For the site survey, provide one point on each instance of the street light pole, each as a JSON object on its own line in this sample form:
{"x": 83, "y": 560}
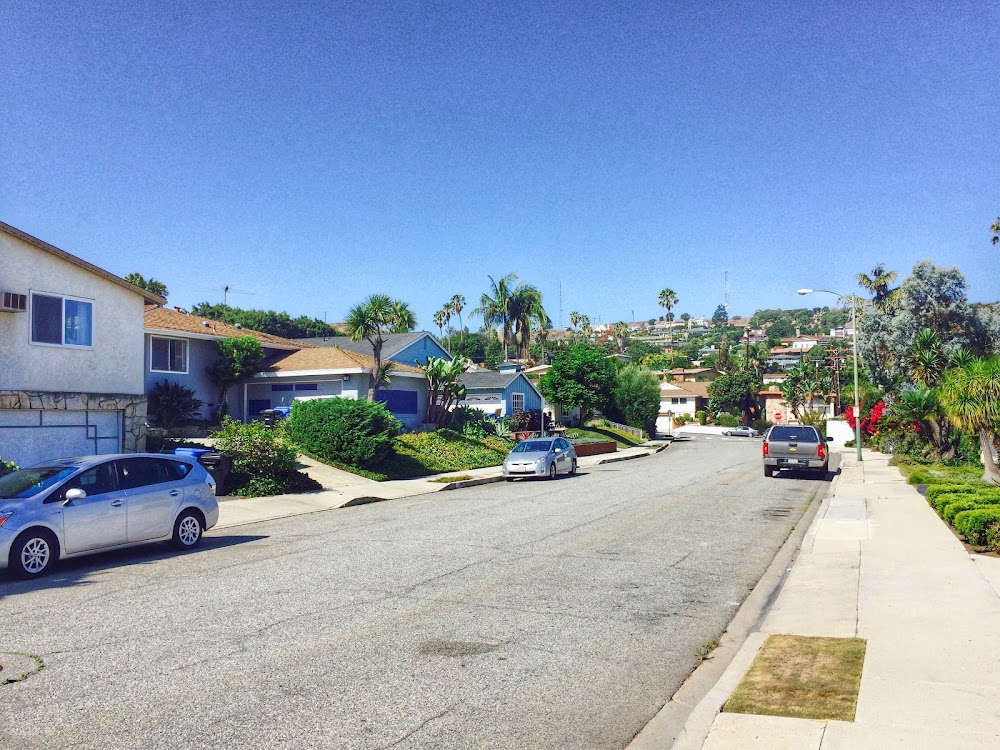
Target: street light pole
{"x": 857, "y": 393}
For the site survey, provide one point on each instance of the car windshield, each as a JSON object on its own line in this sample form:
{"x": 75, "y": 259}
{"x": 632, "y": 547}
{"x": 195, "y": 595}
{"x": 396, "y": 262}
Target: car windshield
{"x": 29, "y": 482}
{"x": 793, "y": 434}
{"x": 533, "y": 446}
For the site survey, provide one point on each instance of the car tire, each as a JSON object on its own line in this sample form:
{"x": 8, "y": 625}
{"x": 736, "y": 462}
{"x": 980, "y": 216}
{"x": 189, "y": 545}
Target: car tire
{"x": 728, "y": 434}
{"x": 768, "y": 471}
{"x": 510, "y": 479}
{"x": 553, "y": 472}
{"x": 188, "y": 530}
{"x": 33, "y": 553}
{"x": 572, "y": 468}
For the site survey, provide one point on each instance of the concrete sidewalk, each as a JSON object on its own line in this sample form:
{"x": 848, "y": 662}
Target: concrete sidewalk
{"x": 341, "y": 488}
{"x": 877, "y": 563}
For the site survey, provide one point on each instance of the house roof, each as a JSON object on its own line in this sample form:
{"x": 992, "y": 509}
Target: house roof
{"x": 692, "y": 370}
{"x": 80, "y": 263}
{"x": 392, "y": 342}
{"x": 493, "y": 381}
{"x": 693, "y": 388}
{"x": 329, "y": 358}
{"x": 166, "y": 319}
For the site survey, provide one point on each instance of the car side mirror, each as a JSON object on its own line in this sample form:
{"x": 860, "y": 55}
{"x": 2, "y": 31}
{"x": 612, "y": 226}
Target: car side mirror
{"x": 74, "y": 494}
{"x": 829, "y": 439}
{"x": 558, "y": 450}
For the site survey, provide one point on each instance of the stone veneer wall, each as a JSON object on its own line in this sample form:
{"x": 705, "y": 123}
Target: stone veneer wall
{"x": 132, "y": 406}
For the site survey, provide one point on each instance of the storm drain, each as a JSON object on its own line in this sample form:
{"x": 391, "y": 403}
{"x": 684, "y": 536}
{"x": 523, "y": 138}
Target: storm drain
{"x": 776, "y": 512}
{"x": 15, "y": 667}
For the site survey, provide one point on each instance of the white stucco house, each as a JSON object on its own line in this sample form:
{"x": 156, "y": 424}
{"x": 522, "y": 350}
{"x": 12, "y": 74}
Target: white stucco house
{"x": 71, "y": 338}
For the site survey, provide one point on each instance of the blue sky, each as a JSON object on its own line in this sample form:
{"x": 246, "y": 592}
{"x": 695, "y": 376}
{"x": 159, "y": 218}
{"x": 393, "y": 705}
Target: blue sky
{"x": 311, "y": 154}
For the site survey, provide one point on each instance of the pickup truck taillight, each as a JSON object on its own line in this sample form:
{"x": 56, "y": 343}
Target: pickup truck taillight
{"x": 821, "y": 451}
{"x": 765, "y": 447}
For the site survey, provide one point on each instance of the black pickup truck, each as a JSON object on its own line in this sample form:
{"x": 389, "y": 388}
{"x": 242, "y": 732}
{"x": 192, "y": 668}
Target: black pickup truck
{"x": 799, "y": 447}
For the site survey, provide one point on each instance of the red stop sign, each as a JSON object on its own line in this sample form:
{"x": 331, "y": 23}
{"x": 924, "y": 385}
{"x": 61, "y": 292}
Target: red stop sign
{"x": 777, "y": 417}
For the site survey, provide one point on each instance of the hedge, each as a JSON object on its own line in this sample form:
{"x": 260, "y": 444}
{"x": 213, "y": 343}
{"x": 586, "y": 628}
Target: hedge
{"x": 343, "y": 430}
{"x": 934, "y": 491}
{"x": 973, "y": 524}
{"x": 952, "y": 509}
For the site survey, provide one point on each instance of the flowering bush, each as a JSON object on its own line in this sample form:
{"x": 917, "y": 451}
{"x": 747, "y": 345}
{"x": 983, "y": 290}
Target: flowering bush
{"x": 869, "y": 423}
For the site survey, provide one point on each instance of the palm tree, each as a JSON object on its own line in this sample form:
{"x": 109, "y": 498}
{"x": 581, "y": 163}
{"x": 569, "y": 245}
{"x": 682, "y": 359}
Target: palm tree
{"x": 575, "y": 318}
{"x": 150, "y": 285}
{"x": 970, "y": 396}
{"x": 995, "y": 228}
{"x": 371, "y": 321}
{"x": 620, "y": 332}
{"x": 667, "y": 300}
{"x": 441, "y": 318}
{"x": 927, "y": 360}
{"x": 456, "y": 305}
{"x": 884, "y": 297}
{"x": 494, "y": 307}
{"x": 526, "y": 313}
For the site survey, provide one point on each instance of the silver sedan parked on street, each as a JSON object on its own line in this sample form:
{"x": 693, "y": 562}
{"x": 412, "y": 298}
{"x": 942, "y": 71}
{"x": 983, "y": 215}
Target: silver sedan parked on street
{"x": 741, "y": 431}
{"x": 540, "y": 457}
{"x": 75, "y": 506}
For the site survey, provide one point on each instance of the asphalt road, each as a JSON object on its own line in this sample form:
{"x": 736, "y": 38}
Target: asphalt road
{"x": 529, "y": 615}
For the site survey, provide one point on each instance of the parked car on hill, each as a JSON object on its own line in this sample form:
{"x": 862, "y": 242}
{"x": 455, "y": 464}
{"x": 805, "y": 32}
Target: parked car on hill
{"x": 540, "y": 457}
{"x": 741, "y": 431}
{"x": 76, "y": 506}
{"x": 795, "y": 447}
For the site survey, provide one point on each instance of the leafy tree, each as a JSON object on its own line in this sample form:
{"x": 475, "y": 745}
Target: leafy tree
{"x": 584, "y": 377}
{"x": 472, "y": 347}
{"x": 685, "y": 317}
{"x": 720, "y": 317}
{"x": 638, "y": 349}
{"x": 802, "y": 384}
{"x": 151, "y": 285}
{"x": 239, "y": 358}
{"x": 444, "y": 390}
{"x": 371, "y": 321}
{"x": 266, "y": 321}
{"x": 737, "y": 390}
{"x": 357, "y": 433}
{"x": 970, "y": 396}
{"x": 636, "y": 397}
{"x": 879, "y": 285}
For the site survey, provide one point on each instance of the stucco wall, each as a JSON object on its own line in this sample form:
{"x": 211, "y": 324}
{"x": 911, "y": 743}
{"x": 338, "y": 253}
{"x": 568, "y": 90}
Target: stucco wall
{"x": 114, "y": 363}
{"x": 201, "y": 353}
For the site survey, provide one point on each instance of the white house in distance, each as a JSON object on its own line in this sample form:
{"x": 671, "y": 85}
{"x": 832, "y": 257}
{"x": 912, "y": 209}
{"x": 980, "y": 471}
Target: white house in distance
{"x": 71, "y": 374}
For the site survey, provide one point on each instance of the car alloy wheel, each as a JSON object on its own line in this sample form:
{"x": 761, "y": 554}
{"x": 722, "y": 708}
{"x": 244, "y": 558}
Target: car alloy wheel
{"x": 552, "y": 470}
{"x": 187, "y": 530}
{"x": 32, "y": 554}
{"x": 572, "y": 467}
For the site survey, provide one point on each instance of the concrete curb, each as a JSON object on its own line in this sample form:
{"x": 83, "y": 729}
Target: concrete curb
{"x": 471, "y": 483}
{"x": 686, "y": 719}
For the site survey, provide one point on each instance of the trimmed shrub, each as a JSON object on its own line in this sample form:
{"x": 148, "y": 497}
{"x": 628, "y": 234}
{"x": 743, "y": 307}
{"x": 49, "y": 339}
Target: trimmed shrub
{"x": 701, "y": 416}
{"x": 993, "y": 537}
{"x": 727, "y": 420}
{"x": 256, "y": 450}
{"x": 342, "y": 430}
{"x": 934, "y": 492}
{"x": 972, "y": 524}
{"x": 952, "y": 509}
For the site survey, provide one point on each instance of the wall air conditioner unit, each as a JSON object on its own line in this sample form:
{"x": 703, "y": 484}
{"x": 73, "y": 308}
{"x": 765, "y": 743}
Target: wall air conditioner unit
{"x": 12, "y": 302}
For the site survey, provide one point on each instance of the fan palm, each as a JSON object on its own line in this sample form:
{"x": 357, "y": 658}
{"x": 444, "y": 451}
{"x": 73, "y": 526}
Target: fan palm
{"x": 455, "y": 305}
{"x": 667, "y": 300}
{"x": 884, "y": 297}
{"x": 494, "y": 307}
{"x": 527, "y": 313}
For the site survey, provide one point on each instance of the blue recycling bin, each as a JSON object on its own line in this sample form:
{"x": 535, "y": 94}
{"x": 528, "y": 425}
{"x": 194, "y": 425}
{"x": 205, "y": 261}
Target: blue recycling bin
{"x": 194, "y": 453}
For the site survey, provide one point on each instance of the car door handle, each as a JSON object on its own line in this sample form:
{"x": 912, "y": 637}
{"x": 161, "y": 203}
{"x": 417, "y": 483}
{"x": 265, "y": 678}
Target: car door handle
{"x": 174, "y": 493}
{"x": 117, "y": 503}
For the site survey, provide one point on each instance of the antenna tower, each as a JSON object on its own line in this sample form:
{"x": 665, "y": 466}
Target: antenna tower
{"x": 726, "y": 304}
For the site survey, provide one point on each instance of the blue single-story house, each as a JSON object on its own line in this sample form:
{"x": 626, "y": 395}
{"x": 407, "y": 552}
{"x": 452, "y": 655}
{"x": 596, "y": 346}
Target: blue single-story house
{"x": 501, "y": 393}
{"x": 402, "y": 348}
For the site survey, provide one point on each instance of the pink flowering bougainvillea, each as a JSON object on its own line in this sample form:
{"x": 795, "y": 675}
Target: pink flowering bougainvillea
{"x": 869, "y": 424}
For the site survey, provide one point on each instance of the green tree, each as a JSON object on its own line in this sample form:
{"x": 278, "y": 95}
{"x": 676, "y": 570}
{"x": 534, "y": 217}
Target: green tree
{"x": 495, "y": 307}
{"x": 370, "y": 321}
{"x": 441, "y": 320}
{"x": 151, "y": 285}
{"x": 444, "y": 389}
{"x": 995, "y": 228}
{"x": 266, "y": 321}
{"x": 527, "y": 315}
{"x": 456, "y": 305}
{"x": 668, "y": 300}
{"x": 584, "y": 377}
{"x": 879, "y": 285}
{"x": 970, "y": 396}
{"x": 636, "y": 397}
{"x": 239, "y": 358}
{"x": 737, "y": 390}
{"x": 620, "y": 331}
{"x": 720, "y": 317}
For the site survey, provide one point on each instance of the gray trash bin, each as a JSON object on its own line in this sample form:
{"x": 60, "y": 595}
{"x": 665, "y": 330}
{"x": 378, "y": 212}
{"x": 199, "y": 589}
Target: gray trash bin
{"x": 269, "y": 417}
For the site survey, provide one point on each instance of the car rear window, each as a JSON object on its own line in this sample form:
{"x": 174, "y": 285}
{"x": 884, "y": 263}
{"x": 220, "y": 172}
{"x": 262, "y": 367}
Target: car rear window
{"x": 790, "y": 434}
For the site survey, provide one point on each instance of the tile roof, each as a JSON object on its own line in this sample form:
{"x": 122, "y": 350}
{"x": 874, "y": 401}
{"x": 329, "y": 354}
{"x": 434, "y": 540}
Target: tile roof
{"x": 79, "y": 262}
{"x": 392, "y": 342}
{"x": 328, "y": 358}
{"x": 166, "y": 319}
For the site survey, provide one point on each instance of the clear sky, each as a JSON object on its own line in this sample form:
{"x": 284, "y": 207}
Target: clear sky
{"x": 311, "y": 154}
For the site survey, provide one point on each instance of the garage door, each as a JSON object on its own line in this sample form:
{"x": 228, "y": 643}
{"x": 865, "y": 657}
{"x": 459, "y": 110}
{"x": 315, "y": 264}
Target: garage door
{"x": 30, "y": 436}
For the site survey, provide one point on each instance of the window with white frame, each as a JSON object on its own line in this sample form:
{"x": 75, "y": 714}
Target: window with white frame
{"x": 168, "y": 355}
{"x": 61, "y": 321}
{"x": 517, "y": 401}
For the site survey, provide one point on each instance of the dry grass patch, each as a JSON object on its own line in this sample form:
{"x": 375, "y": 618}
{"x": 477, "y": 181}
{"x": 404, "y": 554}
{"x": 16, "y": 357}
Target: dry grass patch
{"x": 802, "y": 677}
{"x": 449, "y": 480}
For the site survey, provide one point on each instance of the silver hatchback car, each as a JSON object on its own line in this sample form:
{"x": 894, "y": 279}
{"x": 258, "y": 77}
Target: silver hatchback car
{"x": 540, "y": 457}
{"x": 75, "y": 506}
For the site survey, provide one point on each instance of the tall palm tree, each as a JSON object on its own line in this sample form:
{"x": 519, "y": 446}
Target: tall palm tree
{"x": 441, "y": 318}
{"x": 620, "y": 332}
{"x": 884, "y": 297}
{"x": 456, "y": 305}
{"x": 668, "y": 300}
{"x": 370, "y": 321}
{"x": 575, "y": 318}
{"x": 526, "y": 313}
{"x": 970, "y": 396}
{"x": 494, "y": 307}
